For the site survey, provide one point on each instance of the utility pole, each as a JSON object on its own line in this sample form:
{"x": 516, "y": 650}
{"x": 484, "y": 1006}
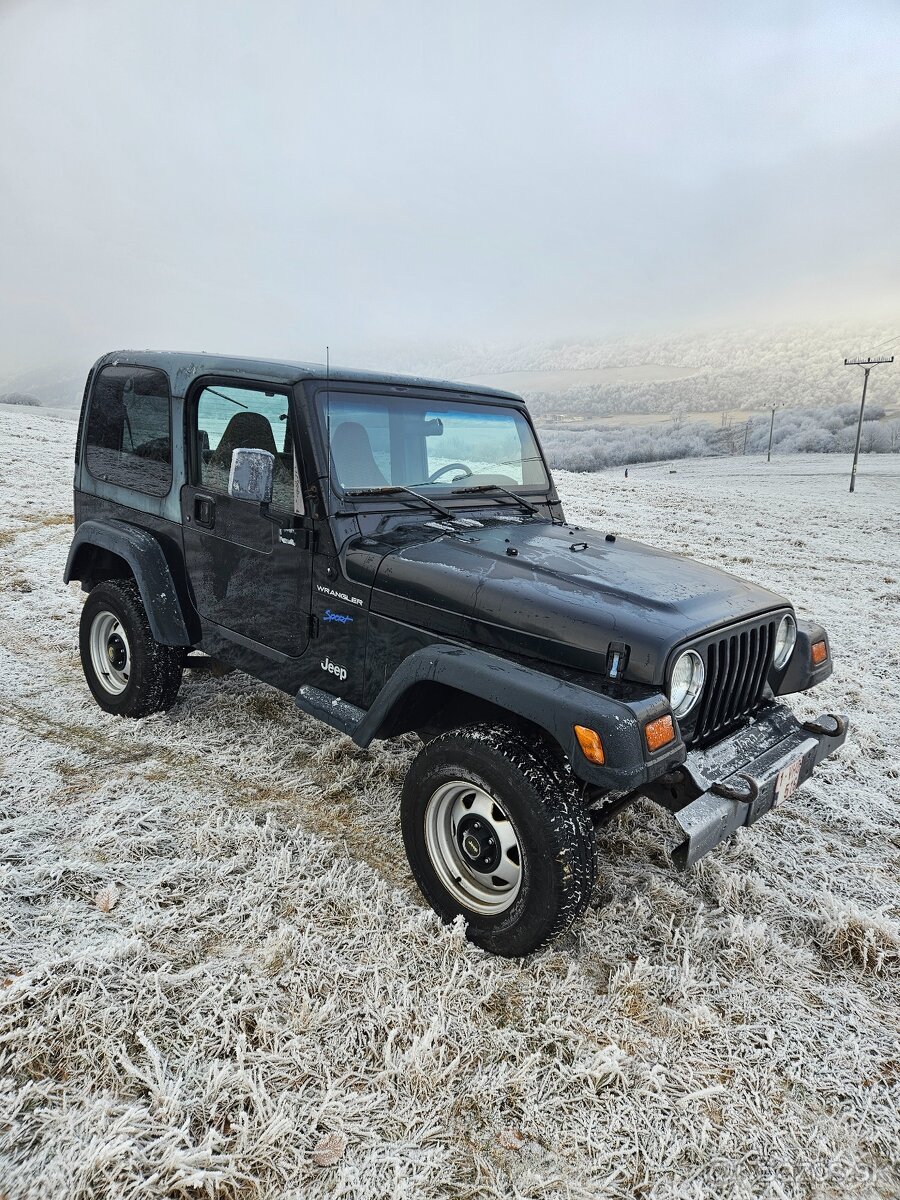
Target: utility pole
{"x": 746, "y": 433}
{"x": 771, "y": 431}
{"x": 867, "y": 364}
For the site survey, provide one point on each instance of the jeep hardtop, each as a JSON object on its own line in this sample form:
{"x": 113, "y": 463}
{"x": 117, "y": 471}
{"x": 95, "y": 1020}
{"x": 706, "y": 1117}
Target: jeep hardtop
{"x": 391, "y": 551}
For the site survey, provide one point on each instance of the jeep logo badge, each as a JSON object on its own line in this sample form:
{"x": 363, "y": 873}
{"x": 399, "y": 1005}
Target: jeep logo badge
{"x": 334, "y": 669}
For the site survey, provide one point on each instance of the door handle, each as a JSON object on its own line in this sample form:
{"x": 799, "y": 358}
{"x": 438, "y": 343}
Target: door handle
{"x": 204, "y": 511}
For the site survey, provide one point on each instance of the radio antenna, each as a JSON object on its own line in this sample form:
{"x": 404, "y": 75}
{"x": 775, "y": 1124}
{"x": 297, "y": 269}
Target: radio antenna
{"x": 328, "y": 422}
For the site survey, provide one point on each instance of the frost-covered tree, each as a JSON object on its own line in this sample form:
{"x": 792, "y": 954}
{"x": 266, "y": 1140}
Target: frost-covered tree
{"x": 796, "y": 431}
{"x": 19, "y": 398}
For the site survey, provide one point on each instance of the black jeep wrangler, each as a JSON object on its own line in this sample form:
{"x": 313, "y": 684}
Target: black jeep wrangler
{"x": 392, "y": 552}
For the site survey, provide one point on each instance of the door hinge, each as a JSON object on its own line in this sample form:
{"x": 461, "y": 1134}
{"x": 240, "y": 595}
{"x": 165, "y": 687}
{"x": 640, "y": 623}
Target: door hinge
{"x": 297, "y": 535}
{"x": 313, "y": 625}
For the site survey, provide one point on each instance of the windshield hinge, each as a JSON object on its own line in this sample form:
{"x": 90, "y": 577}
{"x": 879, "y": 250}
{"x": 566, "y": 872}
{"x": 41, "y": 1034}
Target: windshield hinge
{"x": 304, "y": 539}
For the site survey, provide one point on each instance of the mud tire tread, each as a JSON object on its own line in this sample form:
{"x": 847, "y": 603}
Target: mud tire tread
{"x": 552, "y": 794}
{"x": 156, "y": 669}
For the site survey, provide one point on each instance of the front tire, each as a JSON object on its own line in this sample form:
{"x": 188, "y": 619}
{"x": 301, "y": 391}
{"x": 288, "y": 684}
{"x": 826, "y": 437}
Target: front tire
{"x": 129, "y": 673}
{"x": 496, "y": 832}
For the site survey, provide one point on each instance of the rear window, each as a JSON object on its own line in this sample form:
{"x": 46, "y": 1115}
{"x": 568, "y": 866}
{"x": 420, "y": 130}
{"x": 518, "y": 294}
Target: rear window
{"x": 129, "y": 435}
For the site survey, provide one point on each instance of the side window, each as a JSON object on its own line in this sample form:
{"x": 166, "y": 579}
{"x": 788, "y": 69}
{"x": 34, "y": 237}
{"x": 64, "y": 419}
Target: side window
{"x": 227, "y": 418}
{"x": 129, "y": 436}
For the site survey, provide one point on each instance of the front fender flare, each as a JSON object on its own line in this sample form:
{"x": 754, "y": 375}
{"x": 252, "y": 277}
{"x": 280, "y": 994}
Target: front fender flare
{"x": 144, "y": 555}
{"x": 555, "y": 705}
{"x": 800, "y": 674}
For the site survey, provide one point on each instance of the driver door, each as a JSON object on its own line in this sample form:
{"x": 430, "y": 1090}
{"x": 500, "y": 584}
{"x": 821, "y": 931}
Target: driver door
{"x": 245, "y": 577}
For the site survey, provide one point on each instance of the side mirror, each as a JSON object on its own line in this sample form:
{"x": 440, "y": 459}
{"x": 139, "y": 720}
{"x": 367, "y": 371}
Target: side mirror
{"x": 252, "y": 473}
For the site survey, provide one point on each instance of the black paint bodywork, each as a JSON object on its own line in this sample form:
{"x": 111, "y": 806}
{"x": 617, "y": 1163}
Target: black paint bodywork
{"x": 380, "y": 616}
{"x": 562, "y": 596}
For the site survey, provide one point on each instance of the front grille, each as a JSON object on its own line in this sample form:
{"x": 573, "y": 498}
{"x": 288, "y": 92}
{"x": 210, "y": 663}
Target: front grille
{"x": 736, "y": 668}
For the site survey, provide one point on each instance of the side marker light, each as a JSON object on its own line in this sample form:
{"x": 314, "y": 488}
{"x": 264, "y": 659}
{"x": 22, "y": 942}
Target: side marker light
{"x": 659, "y": 732}
{"x": 591, "y": 745}
{"x": 819, "y": 653}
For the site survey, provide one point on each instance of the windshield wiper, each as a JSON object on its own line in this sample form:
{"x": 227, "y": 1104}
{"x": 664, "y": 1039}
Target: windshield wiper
{"x": 496, "y": 487}
{"x": 392, "y": 491}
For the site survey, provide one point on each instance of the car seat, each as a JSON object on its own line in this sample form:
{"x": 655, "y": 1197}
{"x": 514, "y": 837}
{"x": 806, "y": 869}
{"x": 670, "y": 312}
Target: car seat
{"x": 353, "y": 459}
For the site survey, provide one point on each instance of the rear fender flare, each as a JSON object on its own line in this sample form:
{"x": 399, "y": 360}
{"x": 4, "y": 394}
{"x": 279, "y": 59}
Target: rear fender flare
{"x": 553, "y": 704}
{"x": 144, "y": 556}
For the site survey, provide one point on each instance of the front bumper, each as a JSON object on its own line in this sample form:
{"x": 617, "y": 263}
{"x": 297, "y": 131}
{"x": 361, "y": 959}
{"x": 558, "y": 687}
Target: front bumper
{"x": 736, "y": 781}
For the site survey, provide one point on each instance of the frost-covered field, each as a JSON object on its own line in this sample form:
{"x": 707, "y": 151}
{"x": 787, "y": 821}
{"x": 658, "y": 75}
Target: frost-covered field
{"x": 269, "y": 975}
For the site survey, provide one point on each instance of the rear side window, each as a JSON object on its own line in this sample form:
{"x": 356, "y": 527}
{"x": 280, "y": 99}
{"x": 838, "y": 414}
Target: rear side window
{"x": 129, "y": 435}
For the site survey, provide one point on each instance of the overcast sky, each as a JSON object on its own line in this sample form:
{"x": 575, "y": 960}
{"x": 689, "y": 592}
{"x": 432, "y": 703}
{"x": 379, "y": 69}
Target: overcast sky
{"x": 265, "y": 177}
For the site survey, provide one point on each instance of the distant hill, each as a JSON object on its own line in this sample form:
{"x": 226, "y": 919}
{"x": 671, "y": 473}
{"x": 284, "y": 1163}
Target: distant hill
{"x": 711, "y": 371}
{"x": 703, "y": 371}
{"x": 56, "y": 386}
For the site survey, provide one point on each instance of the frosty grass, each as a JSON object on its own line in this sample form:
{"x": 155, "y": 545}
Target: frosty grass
{"x": 217, "y": 978}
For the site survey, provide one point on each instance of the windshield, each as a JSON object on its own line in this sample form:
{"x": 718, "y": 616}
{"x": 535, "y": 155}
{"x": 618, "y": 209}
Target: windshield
{"x": 404, "y": 441}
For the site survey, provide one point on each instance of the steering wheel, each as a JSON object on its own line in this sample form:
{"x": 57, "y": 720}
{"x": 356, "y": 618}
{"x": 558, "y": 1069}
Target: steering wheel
{"x": 435, "y": 475}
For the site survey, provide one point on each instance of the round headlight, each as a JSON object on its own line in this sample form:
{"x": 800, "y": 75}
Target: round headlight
{"x": 785, "y": 638}
{"x": 687, "y": 682}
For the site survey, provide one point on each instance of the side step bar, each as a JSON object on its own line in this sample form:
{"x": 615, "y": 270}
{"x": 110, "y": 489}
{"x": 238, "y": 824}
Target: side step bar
{"x": 334, "y": 711}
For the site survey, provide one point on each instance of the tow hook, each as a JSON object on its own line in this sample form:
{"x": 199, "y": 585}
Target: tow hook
{"x": 744, "y": 795}
{"x": 820, "y": 728}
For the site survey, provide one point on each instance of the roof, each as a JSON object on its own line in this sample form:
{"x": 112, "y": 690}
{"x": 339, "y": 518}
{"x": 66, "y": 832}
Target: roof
{"x": 182, "y": 367}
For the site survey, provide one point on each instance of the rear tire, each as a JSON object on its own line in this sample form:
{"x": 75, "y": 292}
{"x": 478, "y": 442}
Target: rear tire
{"x": 495, "y": 831}
{"x": 129, "y": 673}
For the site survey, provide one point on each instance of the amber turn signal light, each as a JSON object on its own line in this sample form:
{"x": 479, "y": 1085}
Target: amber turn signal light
{"x": 819, "y": 652}
{"x": 659, "y": 732}
{"x": 592, "y": 747}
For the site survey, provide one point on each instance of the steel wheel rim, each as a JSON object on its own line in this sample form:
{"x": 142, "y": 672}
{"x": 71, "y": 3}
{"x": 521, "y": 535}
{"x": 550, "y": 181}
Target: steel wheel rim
{"x": 461, "y": 818}
{"x": 110, "y": 652}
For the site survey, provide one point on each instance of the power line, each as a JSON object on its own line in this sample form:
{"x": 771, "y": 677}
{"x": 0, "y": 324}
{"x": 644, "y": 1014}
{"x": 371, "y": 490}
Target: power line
{"x": 889, "y": 342}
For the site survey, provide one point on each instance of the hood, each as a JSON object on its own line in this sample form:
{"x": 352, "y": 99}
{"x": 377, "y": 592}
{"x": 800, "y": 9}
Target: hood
{"x": 556, "y": 592}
